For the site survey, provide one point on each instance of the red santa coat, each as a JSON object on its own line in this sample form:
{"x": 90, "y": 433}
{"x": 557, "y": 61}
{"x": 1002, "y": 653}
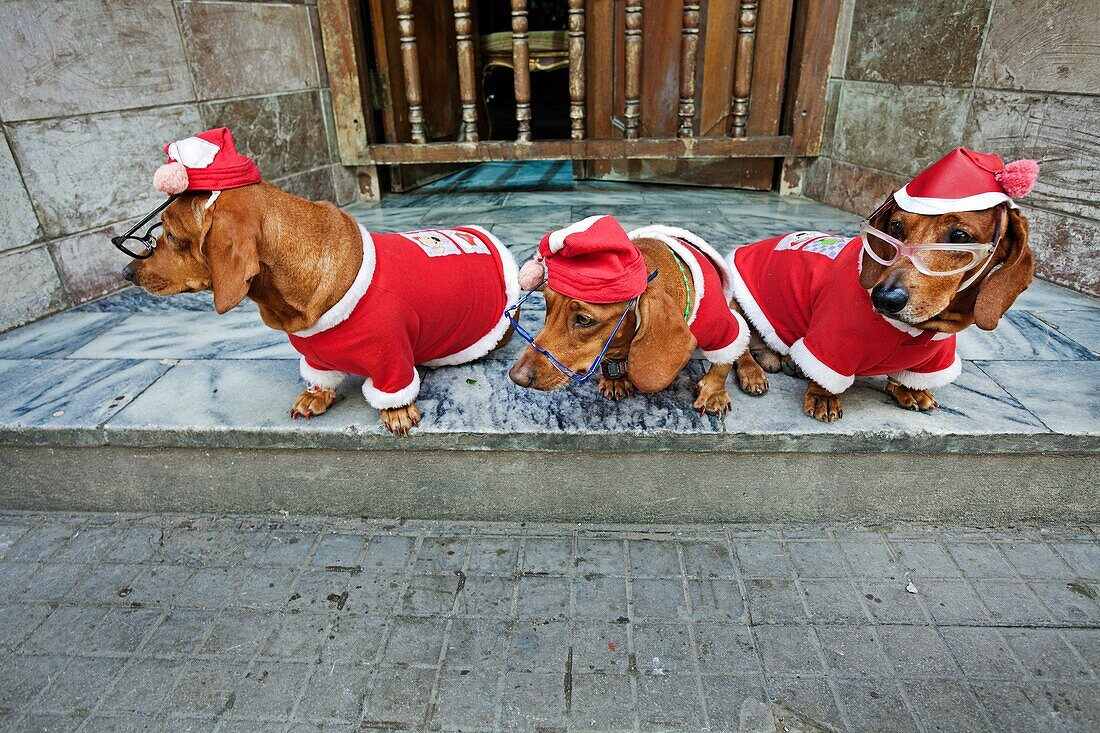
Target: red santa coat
{"x": 433, "y": 297}
{"x": 802, "y": 293}
{"x": 722, "y": 334}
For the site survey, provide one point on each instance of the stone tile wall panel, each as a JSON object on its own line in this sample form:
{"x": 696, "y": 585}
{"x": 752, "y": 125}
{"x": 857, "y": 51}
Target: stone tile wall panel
{"x": 31, "y": 288}
{"x": 88, "y": 171}
{"x": 1043, "y": 45}
{"x": 18, "y": 223}
{"x": 239, "y": 49}
{"x": 1062, "y": 132}
{"x": 90, "y": 265}
{"x": 83, "y": 56}
{"x": 898, "y": 128}
{"x": 283, "y": 133}
{"x": 916, "y": 41}
{"x": 1065, "y": 249}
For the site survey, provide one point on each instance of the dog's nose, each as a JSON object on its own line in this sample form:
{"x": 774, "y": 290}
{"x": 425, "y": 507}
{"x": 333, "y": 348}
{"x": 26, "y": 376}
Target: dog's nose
{"x": 522, "y": 374}
{"x": 128, "y": 272}
{"x": 889, "y": 298}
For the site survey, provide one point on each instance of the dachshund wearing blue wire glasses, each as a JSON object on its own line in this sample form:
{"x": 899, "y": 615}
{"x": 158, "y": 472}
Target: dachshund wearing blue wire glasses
{"x": 631, "y": 308}
{"x": 931, "y": 261}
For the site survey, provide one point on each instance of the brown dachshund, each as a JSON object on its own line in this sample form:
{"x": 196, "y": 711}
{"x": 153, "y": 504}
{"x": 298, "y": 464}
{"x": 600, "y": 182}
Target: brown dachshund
{"x": 303, "y": 261}
{"x": 909, "y": 298}
{"x": 657, "y": 337}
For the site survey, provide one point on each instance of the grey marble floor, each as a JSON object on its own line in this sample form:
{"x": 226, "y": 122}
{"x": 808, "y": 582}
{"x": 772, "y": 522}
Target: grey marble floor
{"x": 133, "y": 368}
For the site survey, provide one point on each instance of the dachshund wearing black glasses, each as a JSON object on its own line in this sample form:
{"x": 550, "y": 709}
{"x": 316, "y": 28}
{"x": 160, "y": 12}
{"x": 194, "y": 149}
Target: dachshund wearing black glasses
{"x": 921, "y": 307}
{"x": 352, "y": 302}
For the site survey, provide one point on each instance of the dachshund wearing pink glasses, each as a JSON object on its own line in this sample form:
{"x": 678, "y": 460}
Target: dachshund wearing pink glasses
{"x": 890, "y": 301}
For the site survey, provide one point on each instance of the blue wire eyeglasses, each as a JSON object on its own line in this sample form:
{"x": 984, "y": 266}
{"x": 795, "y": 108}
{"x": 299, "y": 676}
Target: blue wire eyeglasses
{"x": 595, "y": 368}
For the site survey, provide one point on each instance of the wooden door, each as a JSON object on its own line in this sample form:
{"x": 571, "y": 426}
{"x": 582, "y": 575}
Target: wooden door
{"x": 432, "y": 24}
{"x": 740, "y": 75}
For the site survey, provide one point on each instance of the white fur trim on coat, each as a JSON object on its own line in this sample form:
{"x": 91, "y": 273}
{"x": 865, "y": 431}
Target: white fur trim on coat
{"x": 322, "y": 378}
{"x": 339, "y": 313}
{"x": 930, "y": 206}
{"x": 818, "y": 370}
{"x": 730, "y": 354}
{"x": 929, "y": 380}
{"x": 759, "y": 321}
{"x": 662, "y": 232}
{"x": 380, "y": 400}
{"x": 557, "y": 239}
{"x": 488, "y": 342}
{"x": 681, "y": 251}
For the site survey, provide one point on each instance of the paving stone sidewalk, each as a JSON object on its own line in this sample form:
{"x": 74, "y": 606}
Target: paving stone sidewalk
{"x": 166, "y": 622}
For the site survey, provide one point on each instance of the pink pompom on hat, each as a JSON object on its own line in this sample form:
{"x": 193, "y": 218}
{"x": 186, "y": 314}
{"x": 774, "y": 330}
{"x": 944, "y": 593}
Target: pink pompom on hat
{"x": 592, "y": 260}
{"x": 966, "y": 180}
{"x": 208, "y": 161}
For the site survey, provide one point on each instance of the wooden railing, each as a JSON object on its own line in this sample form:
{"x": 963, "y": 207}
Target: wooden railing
{"x": 803, "y": 117}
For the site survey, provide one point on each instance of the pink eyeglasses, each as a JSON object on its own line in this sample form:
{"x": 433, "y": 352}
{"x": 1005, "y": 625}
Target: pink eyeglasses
{"x": 895, "y": 249}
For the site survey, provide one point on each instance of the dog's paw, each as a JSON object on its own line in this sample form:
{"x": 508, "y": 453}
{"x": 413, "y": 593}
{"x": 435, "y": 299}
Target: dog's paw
{"x": 920, "y": 400}
{"x": 616, "y": 389}
{"x": 312, "y": 402}
{"x": 715, "y": 400}
{"x": 768, "y": 360}
{"x": 791, "y": 369}
{"x": 400, "y": 420}
{"x": 822, "y": 406}
{"x": 752, "y": 380}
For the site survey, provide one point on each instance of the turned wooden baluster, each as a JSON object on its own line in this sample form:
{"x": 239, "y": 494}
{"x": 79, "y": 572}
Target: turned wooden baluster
{"x": 521, "y": 70}
{"x": 742, "y": 69}
{"x": 576, "y": 68}
{"x": 467, "y": 89}
{"x": 411, "y": 65}
{"x": 689, "y": 52}
{"x": 632, "y": 92}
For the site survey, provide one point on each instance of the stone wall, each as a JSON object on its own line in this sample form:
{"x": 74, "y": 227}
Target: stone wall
{"x": 912, "y": 79}
{"x": 90, "y": 91}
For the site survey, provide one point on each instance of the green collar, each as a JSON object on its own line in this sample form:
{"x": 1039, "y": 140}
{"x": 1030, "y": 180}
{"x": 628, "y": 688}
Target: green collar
{"x": 687, "y": 284}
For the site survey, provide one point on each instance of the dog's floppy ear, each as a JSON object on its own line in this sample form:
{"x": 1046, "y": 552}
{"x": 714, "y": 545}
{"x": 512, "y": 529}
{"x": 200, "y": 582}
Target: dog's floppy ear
{"x": 229, "y": 242}
{"x": 662, "y": 345}
{"x": 870, "y": 272}
{"x": 1000, "y": 288}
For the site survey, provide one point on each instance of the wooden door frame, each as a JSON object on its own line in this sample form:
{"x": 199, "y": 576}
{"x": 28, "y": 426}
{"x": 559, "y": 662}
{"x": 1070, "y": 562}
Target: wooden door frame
{"x": 813, "y": 37}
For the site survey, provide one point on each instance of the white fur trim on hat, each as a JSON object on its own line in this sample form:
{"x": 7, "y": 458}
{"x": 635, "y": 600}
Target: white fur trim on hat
{"x": 929, "y": 380}
{"x": 322, "y": 378}
{"x": 934, "y": 206}
{"x": 759, "y": 321}
{"x": 488, "y": 342}
{"x": 339, "y": 313}
{"x": 193, "y": 152}
{"x": 557, "y": 238}
{"x": 731, "y": 353}
{"x": 380, "y": 400}
{"x": 818, "y": 370}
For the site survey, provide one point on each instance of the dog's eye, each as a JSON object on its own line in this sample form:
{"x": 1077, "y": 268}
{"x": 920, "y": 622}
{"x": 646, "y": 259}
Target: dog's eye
{"x": 896, "y": 229}
{"x": 582, "y": 320}
{"x": 958, "y": 236}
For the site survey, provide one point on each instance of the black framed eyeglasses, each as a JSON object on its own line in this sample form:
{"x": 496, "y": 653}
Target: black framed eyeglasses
{"x": 141, "y": 246}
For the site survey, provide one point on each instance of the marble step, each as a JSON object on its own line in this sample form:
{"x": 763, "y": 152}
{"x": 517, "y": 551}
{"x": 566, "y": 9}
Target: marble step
{"x": 134, "y": 403}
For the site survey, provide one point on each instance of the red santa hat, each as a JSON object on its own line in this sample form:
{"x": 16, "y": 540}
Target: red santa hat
{"x": 208, "y": 161}
{"x": 966, "y": 180}
{"x": 592, "y": 260}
